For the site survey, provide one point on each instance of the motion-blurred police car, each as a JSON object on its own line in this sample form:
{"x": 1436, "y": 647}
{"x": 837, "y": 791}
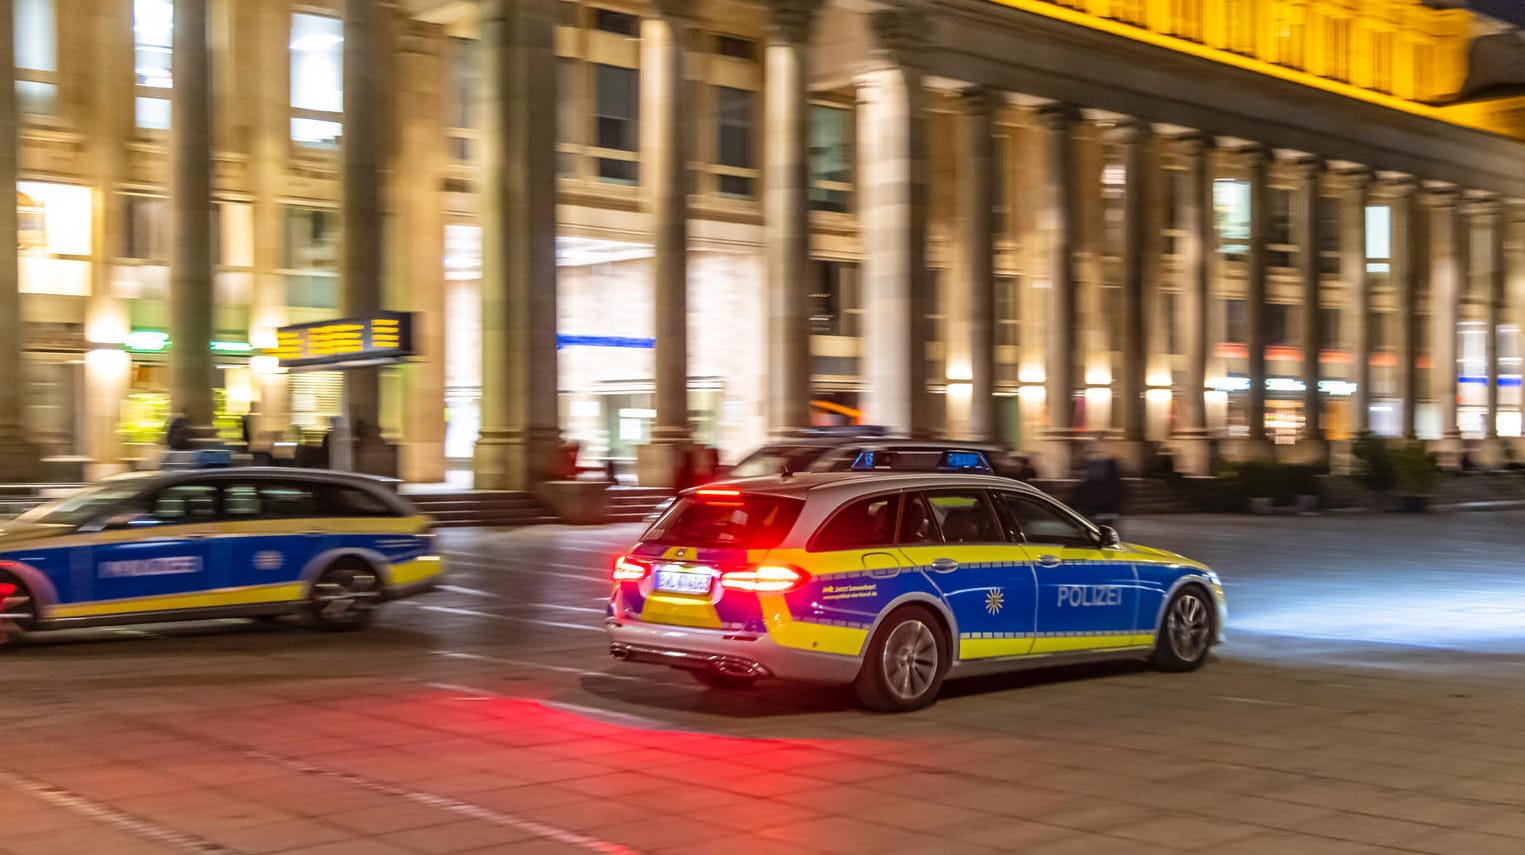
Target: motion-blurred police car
{"x": 214, "y": 543}
{"x": 890, "y": 581}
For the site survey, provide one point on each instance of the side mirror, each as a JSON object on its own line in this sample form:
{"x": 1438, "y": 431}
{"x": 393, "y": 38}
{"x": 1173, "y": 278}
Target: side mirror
{"x": 1109, "y": 536}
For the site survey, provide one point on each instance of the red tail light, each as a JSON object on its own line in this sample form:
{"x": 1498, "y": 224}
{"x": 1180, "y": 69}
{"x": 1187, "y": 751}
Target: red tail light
{"x": 628, "y": 568}
{"x": 765, "y": 579}
{"x": 5, "y": 592}
{"x": 716, "y": 491}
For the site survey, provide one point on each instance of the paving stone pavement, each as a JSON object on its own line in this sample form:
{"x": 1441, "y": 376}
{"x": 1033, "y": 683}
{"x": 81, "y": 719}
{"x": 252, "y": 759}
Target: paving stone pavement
{"x": 1369, "y": 700}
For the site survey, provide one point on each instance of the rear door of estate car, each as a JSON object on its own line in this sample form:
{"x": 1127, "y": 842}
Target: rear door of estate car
{"x": 956, "y": 538}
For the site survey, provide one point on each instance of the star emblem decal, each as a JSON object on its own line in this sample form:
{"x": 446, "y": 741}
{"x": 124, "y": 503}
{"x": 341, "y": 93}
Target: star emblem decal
{"x": 994, "y": 599}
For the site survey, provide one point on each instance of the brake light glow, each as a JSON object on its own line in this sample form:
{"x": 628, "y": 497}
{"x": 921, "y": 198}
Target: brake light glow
{"x": 711, "y": 491}
{"x": 766, "y": 579}
{"x": 630, "y": 569}
{"x": 5, "y": 592}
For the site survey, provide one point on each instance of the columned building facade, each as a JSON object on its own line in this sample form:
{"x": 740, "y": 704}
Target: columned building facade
{"x": 640, "y": 225}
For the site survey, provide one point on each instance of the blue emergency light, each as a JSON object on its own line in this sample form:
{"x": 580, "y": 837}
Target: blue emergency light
{"x": 964, "y": 461}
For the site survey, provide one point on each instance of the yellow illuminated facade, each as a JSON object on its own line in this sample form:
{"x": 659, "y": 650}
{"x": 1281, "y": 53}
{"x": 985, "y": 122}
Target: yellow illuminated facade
{"x": 1399, "y": 54}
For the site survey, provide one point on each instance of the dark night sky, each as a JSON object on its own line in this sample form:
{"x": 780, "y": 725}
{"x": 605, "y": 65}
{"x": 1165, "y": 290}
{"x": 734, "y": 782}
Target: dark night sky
{"x": 1512, "y": 11}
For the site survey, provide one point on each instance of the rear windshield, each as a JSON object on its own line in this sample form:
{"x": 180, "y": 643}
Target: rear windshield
{"x": 726, "y": 522}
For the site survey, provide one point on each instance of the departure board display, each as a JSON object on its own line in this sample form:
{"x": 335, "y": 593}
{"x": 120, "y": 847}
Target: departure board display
{"x": 376, "y": 338}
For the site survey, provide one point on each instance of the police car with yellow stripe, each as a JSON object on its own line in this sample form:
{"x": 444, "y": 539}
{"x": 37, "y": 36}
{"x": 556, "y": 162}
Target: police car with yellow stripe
{"x": 892, "y": 581}
{"x": 236, "y": 542}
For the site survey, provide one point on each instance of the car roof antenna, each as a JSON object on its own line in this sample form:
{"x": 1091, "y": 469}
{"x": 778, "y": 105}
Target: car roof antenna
{"x": 786, "y": 471}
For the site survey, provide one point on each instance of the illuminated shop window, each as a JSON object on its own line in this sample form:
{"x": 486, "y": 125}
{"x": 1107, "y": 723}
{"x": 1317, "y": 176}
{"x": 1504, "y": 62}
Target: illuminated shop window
{"x": 36, "y": 57}
{"x": 317, "y": 80}
{"x": 153, "y": 28}
{"x": 54, "y": 238}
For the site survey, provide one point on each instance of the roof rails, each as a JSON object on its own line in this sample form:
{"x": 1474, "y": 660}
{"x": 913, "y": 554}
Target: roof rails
{"x": 844, "y": 430}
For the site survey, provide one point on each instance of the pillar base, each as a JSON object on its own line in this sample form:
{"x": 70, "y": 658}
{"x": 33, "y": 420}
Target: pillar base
{"x": 1058, "y": 453}
{"x": 656, "y": 464}
{"x": 1305, "y": 452}
{"x": 1193, "y": 453}
{"x": 515, "y": 460}
{"x": 1241, "y": 448}
{"x": 1132, "y": 455}
{"x": 1491, "y": 452}
{"x": 20, "y": 461}
{"x": 1447, "y": 450}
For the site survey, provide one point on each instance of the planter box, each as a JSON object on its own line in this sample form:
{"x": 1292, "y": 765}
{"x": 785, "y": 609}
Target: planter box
{"x": 576, "y": 502}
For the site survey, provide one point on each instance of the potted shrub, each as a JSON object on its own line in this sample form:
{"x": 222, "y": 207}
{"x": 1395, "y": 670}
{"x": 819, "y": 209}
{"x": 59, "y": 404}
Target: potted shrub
{"x": 1416, "y": 475}
{"x": 1373, "y": 468}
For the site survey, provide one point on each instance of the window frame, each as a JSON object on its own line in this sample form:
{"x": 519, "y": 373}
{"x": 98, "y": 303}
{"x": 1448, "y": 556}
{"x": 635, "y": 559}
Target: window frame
{"x": 897, "y": 496}
{"x": 1013, "y": 525}
{"x": 143, "y": 92}
{"x": 42, "y": 76}
{"x": 847, "y": 188}
{"x": 295, "y": 113}
{"x": 985, "y": 501}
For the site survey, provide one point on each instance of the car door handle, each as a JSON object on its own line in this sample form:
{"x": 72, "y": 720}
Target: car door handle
{"x": 944, "y": 565}
{"x": 1049, "y": 560}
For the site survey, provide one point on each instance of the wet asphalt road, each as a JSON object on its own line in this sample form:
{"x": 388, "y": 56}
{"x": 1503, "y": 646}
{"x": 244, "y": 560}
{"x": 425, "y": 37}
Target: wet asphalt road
{"x": 1369, "y": 699}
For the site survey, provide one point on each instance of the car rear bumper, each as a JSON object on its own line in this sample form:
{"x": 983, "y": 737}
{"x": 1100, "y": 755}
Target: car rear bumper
{"x": 724, "y": 652}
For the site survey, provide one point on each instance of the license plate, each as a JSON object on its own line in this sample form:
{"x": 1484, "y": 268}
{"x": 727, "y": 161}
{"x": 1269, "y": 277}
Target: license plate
{"x": 683, "y": 582}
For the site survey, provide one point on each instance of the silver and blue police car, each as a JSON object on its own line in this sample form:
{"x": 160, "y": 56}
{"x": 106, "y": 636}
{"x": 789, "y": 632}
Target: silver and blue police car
{"x": 237, "y": 542}
{"x": 892, "y": 581}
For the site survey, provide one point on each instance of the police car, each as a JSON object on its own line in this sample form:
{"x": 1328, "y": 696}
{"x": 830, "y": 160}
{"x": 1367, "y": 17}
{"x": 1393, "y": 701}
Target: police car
{"x": 214, "y": 543}
{"x": 892, "y": 581}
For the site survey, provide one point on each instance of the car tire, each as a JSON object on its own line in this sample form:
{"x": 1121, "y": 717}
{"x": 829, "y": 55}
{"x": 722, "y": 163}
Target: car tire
{"x": 726, "y": 682}
{"x": 905, "y": 664}
{"x": 344, "y": 598}
{"x": 1186, "y": 631}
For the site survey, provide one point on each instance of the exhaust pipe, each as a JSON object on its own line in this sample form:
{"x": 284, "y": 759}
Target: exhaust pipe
{"x": 620, "y": 653}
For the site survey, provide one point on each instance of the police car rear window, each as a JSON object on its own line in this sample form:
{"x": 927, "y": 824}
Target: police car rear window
{"x": 726, "y": 522}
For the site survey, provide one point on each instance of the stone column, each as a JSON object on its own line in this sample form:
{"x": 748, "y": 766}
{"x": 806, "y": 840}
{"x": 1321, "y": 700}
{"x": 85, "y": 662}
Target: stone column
{"x": 1353, "y": 198}
{"x": 1305, "y": 220}
{"x": 270, "y": 130}
{"x": 18, "y": 460}
{"x": 193, "y": 373}
{"x": 1255, "y": 274}
{"x": 1201, "y": 242}
{"x": 519, "y": 438}
{"x": 786, "y": 209}
{"x": 361, "y": 217}
{"x": 1136, "y": 140}
{"x": 970, "y": 301}
{"x": 108, "y": 368}
{"x": 1060, "y": 357}
{"x": 664, "y": 185}
{"x": 415, "y": 267}
{"x": 1494, "y": 309}
{"x": 892, "y": 176}
{"x": 1448, "y": 278}
{"x": 1408, "y": 258}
